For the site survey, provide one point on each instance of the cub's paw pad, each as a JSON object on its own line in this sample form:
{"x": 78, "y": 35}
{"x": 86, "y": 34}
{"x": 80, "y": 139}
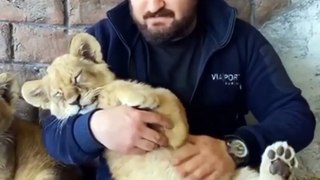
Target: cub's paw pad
{"x": 281, "y": 168}
{"x": 282, "y": 159}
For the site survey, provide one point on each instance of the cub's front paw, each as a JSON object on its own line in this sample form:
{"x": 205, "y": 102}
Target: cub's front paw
{"x": 279, "y": 159}
{"x": 141, "y": 101}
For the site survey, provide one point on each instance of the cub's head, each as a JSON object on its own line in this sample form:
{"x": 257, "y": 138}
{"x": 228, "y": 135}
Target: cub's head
{"x": 9, "y": 93}
{"x": 72, "y": 81}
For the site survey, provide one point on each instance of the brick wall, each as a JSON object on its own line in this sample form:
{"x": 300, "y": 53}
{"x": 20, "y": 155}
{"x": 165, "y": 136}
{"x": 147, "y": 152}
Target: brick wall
{"x": 34, "y": 32}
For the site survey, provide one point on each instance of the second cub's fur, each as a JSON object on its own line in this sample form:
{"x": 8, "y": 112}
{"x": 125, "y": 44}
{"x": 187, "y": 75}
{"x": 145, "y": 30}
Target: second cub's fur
{"x": 22, "y": 154}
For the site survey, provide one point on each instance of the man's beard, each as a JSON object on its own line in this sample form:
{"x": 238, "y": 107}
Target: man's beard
{"x": 176, "y": 30}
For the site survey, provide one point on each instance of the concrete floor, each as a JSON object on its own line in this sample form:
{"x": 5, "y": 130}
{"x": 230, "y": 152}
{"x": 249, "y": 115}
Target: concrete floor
{"x": 295, "y": 34}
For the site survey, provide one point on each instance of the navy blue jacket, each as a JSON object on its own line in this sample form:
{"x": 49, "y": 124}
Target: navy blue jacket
{"x": 239, "y": 71}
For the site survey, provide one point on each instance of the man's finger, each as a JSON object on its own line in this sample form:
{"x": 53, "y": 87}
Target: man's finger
{"x": 194, "y": 164}
{"x": 184, "y": 153}
{"x": 137, "y": 151}
{"x": 153, "y": 136}
{"x": 146, "y": 145}
{"x": 153, "y": 118}
{"x": 192, "y": 139}
{"x": 202, "y": 172}
{"x": 217, "y": 175}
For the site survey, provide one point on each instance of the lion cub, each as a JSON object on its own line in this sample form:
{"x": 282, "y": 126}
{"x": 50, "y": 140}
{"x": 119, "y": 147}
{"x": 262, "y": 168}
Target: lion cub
{"x": 22, "y": 155}
{"x": 81, "y": 81}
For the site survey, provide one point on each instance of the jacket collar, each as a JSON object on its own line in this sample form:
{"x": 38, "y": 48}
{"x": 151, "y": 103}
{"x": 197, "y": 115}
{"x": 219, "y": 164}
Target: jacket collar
{"x": 218, "y": 17}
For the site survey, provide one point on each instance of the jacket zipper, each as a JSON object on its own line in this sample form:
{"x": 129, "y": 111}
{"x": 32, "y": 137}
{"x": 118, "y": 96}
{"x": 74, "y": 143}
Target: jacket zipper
{"x": 206, "y": 61}
{"x": 130, "y": 64}
{"x": 200, "y": 76}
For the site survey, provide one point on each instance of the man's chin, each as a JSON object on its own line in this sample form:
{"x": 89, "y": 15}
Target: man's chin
{"x": 159, "y": 33}
{"x": 159, "y": 21}
{"x": 157, "y": 37}
{"x": 158, "y": 29}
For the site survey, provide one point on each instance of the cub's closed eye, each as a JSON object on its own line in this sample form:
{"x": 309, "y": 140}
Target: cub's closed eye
{"x": 77, "y": 78}
{"x": 58, "y": 94}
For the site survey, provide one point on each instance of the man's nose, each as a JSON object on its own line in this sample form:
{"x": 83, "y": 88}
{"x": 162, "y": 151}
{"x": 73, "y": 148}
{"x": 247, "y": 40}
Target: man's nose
{"x": 155, "y": 5}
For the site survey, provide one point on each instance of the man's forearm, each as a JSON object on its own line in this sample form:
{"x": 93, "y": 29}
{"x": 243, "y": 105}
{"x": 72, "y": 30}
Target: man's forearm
{"x": 71, "y": 141}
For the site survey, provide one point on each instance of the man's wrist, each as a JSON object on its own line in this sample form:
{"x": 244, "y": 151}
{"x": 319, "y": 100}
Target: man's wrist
{"x": 94, "y": 123}
{"x": 83, "y": 134}
{"x": 237, "y": 150}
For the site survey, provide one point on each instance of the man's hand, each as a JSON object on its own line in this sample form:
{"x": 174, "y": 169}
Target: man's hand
{"x": 204, "y": 158}
{"x": 124, "y": 129}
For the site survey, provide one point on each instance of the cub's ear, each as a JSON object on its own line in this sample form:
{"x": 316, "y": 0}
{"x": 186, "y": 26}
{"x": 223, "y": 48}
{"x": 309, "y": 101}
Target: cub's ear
{"x": 86, "y": 46}
{"x": 9, "y": 89}
{"x": 34, "y": 94}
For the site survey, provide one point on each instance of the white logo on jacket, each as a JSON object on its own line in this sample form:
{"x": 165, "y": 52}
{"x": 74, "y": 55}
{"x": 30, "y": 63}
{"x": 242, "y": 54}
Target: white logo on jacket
{"x": 228, "y": 79}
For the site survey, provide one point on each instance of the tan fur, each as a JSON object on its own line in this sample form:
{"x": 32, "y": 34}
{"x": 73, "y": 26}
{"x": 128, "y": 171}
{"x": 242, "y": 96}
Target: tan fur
{"x": 81, "y": 81}
{"x": 7, "y": 156}
{"x": 22, "y": 154}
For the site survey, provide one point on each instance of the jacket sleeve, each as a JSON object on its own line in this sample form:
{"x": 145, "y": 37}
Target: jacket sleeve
{"x": 71, "y": 140}
{"x": 282, "y": 112}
